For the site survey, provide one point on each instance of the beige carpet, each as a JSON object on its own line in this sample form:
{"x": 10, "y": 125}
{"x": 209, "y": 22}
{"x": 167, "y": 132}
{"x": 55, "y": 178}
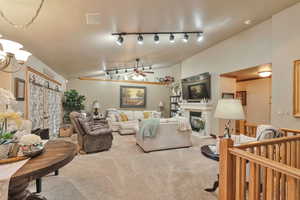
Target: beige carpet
{"x": 126, "y": 173}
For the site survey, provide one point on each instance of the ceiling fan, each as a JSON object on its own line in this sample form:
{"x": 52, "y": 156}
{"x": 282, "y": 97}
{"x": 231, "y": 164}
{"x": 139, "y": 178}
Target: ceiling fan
{"x": 140, "y": 70}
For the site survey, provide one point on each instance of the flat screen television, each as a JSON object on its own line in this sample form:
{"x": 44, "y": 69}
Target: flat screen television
{"x": 197, "y": 87}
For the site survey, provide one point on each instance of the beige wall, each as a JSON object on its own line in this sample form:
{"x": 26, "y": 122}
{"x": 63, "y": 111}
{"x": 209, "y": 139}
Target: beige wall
{"x": 249, "y": 48}
{"x": 108, "y": 94}
{"x": 286, "y": 49}
{"x": 258, "y": 108}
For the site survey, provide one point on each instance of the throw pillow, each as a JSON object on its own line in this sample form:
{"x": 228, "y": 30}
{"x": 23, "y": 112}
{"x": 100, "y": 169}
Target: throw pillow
{"x": 124, "y": 117}
{"x": 147, "y": 115}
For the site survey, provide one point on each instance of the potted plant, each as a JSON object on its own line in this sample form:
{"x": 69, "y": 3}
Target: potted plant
{"x": 72, "y": 101}
{"x": 6, "y": 133}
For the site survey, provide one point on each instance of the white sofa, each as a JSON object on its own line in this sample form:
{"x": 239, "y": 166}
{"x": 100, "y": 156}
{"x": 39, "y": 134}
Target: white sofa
{"x": 129, "y": 127}
{"x": 167, "y": 137}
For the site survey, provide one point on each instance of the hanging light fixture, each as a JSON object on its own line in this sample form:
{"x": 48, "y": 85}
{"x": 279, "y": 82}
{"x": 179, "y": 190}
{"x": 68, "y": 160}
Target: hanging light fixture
{"x": 172, "y": 38}
{"x": 265, "y": 74}
{"x": 200, "y": 37}
{"x": 12, "y": 51}
{"x": 140, "y": 39}
{"x": 156, "y": 39}
{"x": 120, "y": 40}
{"x": 185, "y": 38}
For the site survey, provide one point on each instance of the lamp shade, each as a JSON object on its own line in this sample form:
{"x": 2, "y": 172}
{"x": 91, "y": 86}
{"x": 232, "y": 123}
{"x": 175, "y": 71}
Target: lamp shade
{"x": 9, "y": 46}
{"x": 22, "y": 55}
{"x": 161, "y": 104}
{"x": 96, "y": 104}
{"x": 229, "y": 109}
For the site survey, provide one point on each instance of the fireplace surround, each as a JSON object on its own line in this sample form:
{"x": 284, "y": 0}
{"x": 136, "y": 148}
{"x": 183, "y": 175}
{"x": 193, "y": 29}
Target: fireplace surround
{"x": 198, "y": 111}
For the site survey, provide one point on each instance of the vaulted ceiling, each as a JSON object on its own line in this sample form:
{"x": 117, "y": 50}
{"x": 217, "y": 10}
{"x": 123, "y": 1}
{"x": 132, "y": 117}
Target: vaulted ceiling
{"x": 62, "y": 39}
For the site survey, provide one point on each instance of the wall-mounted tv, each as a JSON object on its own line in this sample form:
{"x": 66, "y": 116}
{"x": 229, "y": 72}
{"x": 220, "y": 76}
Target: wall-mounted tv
{"x": 197, "y": 87}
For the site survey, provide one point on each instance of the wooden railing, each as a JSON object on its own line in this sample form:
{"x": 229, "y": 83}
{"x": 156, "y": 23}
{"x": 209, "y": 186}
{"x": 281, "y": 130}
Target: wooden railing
{"x": 250, "y": 130}
{"x": 267, "y": 170}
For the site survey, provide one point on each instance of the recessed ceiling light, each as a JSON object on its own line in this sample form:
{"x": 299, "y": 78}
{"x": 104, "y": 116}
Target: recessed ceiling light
{"x": 265, "y": 73}
{"x": 248, "y": 22}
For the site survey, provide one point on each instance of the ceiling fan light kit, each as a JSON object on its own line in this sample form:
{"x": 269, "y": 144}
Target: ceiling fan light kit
{"x": 140, "y": 38}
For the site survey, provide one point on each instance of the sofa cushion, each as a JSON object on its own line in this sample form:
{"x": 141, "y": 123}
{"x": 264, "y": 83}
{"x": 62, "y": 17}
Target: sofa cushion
{"x": 147, "y": 115}
{"x": 129, "y": 114}
{"x": 138, "y": 115}
{"x": 124, "y": 117}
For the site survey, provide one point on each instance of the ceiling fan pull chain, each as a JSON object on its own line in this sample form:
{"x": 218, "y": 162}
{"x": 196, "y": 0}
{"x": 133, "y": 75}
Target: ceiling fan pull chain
{"x": 21, "y": 26}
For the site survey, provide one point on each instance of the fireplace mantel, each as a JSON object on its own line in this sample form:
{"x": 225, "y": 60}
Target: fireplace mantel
{"x": 196, "y": 106}
{"x": 205, "y": 108}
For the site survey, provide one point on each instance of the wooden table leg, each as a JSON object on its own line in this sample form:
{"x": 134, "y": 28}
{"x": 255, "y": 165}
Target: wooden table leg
{"x": 18, "y": 191}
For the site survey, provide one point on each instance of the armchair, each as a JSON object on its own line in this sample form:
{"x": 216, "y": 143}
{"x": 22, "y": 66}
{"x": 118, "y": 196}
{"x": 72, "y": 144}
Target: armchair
{"x": 92, "y": 136}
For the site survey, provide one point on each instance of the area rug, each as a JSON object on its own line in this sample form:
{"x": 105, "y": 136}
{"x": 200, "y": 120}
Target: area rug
{"x": 126, "y": 173}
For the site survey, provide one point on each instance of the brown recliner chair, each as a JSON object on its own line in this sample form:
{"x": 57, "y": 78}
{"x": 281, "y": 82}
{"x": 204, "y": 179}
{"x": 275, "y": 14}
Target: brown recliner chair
{"x": 92, "y": 136}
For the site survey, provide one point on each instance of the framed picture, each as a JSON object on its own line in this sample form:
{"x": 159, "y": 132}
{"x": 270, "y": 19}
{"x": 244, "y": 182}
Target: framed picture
{"x": 19, "y": 89}
{"x": 133, "y": 97}
{"x": 242, "y": 95}
{"x": 227, "y": 95}
{"x": 296, "y": 104}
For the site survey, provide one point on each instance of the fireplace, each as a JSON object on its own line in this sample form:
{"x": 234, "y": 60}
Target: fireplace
{"x": 197, "y": 123}
{"x": 200, "y": 116}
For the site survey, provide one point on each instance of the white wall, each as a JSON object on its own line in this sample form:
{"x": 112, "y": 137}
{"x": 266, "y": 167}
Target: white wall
{"x": 246, "y": 49}
{"x": 286, "y": 49}
{"x": 258, "y": 108}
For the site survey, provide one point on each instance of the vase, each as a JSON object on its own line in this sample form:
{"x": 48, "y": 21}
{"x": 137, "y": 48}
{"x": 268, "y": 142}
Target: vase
{"x": 4, "y": 149}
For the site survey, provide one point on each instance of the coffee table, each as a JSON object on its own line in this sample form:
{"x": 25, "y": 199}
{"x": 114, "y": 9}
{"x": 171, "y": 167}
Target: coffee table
{"x": 57, "y": 154}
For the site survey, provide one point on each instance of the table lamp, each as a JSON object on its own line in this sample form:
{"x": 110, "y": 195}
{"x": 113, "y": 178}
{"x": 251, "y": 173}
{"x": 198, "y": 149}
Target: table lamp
{"x": 229, "y": 109}
{"x": 96, "y": 106}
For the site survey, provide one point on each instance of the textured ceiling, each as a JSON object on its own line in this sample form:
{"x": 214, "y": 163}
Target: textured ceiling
{"x": 61, "y": 38}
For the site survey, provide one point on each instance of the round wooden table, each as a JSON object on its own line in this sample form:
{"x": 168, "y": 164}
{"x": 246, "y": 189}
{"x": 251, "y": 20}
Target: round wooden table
{"x": 57, "y": 154}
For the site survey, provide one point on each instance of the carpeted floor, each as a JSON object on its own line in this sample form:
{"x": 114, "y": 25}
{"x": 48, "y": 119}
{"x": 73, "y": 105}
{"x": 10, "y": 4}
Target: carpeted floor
{"x": 126, "y": 173}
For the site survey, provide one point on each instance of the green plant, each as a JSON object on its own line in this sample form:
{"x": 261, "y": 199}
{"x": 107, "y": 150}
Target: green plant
{"x": 72, "y": 102}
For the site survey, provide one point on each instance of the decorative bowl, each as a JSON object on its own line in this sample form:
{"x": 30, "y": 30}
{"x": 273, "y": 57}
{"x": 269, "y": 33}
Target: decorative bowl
{"x": 32, "y": 150}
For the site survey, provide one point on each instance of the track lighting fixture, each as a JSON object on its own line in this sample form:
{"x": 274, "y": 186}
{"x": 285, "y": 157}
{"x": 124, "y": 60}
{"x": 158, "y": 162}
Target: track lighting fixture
{"x": 125, "y": 70}
{"x": 199, "y": 37}
{"x": 140, "y": 39}
{"x": 156, "y": 39}
{"x": 117, "y": 71}
{"x": 185, "y": 38}
{"x": 172, "y": 38}
{"x": 120, "y": 40}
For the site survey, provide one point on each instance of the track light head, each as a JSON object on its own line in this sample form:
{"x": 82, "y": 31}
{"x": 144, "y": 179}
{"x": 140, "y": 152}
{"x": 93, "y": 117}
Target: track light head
{"x": 107, "y": 72}
{"x": 199, "y": 37}
{"x": 172, "y": 38}
{"x": 156, "y": 39}
{"x": 185, "y": 38}
{"x": 125, "y": 70}
{"x": 120, "y": 40}
{"x": 117, "y": 71}
{"x": 140, "y": 39}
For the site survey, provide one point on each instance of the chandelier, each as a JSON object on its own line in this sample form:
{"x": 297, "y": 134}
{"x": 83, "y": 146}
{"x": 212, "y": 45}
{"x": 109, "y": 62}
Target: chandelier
{"x": 12, "y": 55}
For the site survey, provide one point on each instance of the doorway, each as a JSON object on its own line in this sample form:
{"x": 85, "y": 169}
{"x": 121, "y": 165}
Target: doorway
{"x": 253, "y": 86}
